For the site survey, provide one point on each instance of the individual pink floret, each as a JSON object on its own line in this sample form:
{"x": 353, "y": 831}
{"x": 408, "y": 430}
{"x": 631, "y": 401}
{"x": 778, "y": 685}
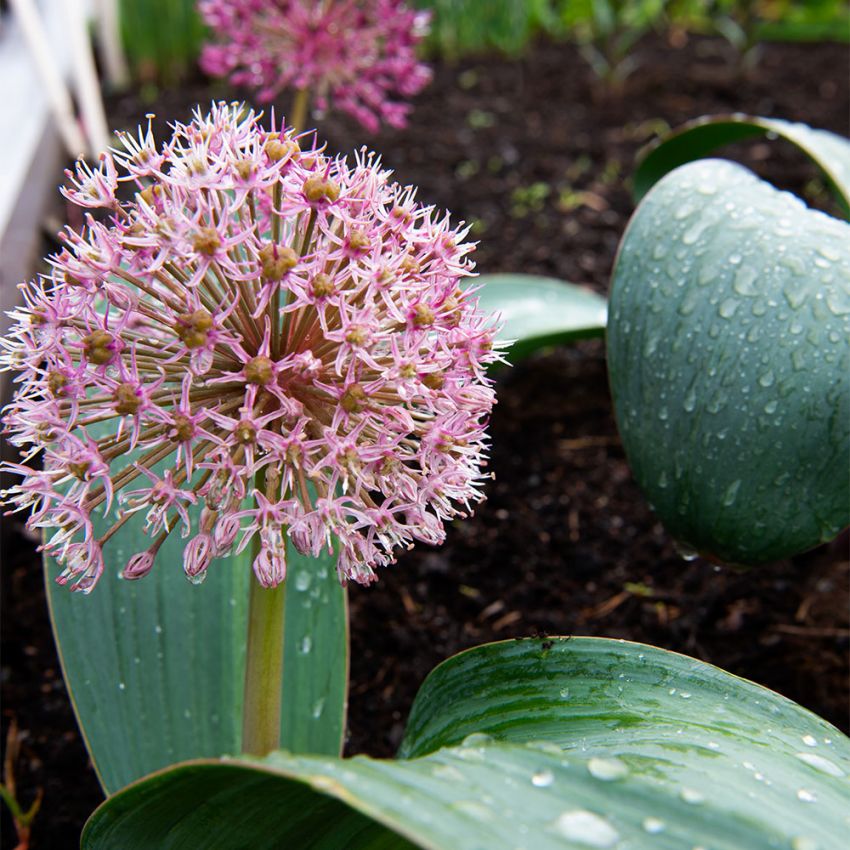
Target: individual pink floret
{"x": 359, "y": 55}
{"x": 263, "y": 343}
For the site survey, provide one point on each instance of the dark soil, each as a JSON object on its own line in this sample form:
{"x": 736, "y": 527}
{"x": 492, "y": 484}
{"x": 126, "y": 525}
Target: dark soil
{"x": 538, "y": 157}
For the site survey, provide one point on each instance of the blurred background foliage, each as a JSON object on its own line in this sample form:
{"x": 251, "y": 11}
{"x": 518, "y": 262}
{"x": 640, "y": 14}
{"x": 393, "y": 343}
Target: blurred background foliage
{"x": 162, "y": 38}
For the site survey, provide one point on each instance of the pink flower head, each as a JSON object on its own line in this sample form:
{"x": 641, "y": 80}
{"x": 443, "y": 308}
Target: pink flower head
{"x": 359, "y": 54}
{"x": 263, "y": 343}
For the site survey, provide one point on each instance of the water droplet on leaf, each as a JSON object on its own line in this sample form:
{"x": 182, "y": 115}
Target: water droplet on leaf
{"x": 586, "y": 828}
{"x": 607, "y": 770}
{"x": 543, "y": 778}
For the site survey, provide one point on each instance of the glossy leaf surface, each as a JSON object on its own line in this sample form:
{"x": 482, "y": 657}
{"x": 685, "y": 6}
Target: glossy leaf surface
{"x": 729, "y": 361}
{"x": 315, "y": 662}
{"x": 156, "y": 667}
{"x": 830, "y": 152}
{"x": 592, "y": 744}
{"x": 540, "y": 311}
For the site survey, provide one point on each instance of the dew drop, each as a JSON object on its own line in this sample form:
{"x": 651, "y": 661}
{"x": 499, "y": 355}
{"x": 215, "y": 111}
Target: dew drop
{"x": 731, "y": 493}
{"x": 447, "y": 771}
{"x": 690, "y": 400}
{"x": 806, "y": 796}
{"x": 794, "y": 294}
{"x": 543, "y": 779}
{"x": 474, "y": 809}
{"x": 318, "y": 708}
{"x": 838, "y": 302}
{"x": 564, "y": 693}
{"x": 693, "y": 233}
{"x": 801, "y": 842}
{"x": 302, "y": 580}
{"x": 692, "y": 796}
{"x": 686, "y": 552}
{"x": 121, "y": 686}
{"x": 810, "y": 740}
{"x": 607, "y": 770}
{"x": 771, "y": 406}
{"x": 306, "y": 645}
{"x": 706, "y": 276}
{"x": 767, "y": 379}
{"x": 477, "y": 739}
{"x": 651, "y": 345}
{"x": 759, "y": 307}
{"x": 794, "y": 264}
{"x": 744, "y": 281}
{"x": 728, "y": 308}
{"x": 820, "y": 763}
{"x": 689, "y": 303}
{"x": 829, "y": 253}
{"x": 653, "y": 825}
{"x": 586, "y": 828}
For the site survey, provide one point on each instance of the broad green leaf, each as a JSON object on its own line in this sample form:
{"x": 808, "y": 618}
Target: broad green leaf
{"x": 628, "y": 758}
{"x": 156, "y": 667}
{"x": 599, "y": 694}
{"x": 315, "y": 663}
{"x": 831, "y": 153}
{"x": 540, "y": 311}
{"x": 729, "y": 363}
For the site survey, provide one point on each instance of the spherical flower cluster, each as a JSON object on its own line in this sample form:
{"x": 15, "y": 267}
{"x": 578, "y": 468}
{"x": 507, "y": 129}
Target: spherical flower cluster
{"x": 264, "y": 343}
{"x": 360, "y": 54}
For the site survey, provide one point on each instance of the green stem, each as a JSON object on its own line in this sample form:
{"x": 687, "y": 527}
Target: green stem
{"x": 264, "y": 669}
{"x": 299, "y": 109}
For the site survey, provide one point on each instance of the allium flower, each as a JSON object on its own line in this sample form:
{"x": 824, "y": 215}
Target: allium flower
{"x": 263, "y": 343}
{"x": 358, "y": 53}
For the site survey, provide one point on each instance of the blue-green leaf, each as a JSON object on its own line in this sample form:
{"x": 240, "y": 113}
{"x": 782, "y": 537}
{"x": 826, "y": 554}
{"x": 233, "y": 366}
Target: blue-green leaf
{"x": 831, "y": 153}
{"x": 540, "y": 311}
{"x": 580, "y": 743}
{"x": 729, "y": 362}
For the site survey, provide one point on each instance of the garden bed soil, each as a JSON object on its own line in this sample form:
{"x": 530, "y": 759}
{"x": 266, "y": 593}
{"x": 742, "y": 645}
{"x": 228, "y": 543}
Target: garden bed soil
{"x": 536, "y": 156}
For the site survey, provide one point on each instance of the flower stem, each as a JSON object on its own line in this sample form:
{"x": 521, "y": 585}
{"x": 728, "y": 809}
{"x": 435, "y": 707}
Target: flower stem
{"x": 264, "y": 669}
{"x": 299, "y": 109}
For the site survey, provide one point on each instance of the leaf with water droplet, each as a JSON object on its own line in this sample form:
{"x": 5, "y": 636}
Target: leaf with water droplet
{"x": 494, "y": 757}
{"x": 741, "y": 377}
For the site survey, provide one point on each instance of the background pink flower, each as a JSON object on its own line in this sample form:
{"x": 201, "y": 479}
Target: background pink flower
{"x": 358, "y": 54}
{"x": 280, "y": 340}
